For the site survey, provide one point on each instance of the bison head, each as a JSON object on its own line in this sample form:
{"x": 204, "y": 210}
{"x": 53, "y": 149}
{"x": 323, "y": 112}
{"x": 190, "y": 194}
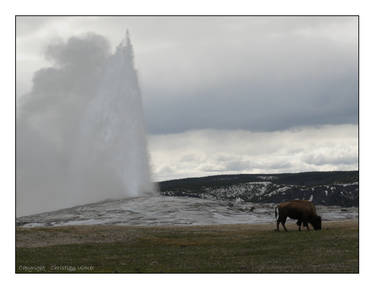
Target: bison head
{"x": 316, "y": 223}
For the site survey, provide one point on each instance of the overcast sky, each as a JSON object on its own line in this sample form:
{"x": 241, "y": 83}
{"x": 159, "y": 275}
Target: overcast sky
{"x": 225, "y": 94}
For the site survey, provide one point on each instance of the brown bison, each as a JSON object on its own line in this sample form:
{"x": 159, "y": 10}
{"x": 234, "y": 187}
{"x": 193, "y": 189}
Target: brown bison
{"x": 303, "y": 211}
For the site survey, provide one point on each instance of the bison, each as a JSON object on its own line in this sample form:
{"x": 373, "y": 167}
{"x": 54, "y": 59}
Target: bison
{"x": 303, "y": 211}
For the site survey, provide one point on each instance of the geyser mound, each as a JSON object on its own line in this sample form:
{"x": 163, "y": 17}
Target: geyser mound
{"x": 80, "y": 132}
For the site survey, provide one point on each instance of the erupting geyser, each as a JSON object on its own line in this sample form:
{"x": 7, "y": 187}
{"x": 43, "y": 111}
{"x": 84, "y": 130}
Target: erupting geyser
{"x": 112, "y": 153}
{"x": 87, "y": 142}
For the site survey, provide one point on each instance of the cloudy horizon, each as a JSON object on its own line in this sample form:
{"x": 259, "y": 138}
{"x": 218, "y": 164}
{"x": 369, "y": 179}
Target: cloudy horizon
{"x": 220, "y": 94}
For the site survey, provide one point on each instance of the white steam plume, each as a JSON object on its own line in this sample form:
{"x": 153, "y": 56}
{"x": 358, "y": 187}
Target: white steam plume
{"x": 80, "y": 131}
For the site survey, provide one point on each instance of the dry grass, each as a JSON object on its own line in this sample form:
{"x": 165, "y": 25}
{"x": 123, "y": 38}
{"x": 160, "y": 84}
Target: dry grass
{"x": 218, "y": 248}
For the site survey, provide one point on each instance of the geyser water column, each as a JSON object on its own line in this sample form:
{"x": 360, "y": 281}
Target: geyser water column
{"x": 111, "y": 159}
{"x": 80, "y": 131}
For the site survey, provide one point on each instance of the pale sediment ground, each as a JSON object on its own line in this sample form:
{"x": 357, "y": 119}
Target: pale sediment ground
{"x": 64, "y": 235}
{"x": 170, "y": 211}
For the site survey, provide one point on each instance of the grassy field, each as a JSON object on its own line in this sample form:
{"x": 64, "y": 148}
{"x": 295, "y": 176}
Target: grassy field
{"x": 200, "y": 249}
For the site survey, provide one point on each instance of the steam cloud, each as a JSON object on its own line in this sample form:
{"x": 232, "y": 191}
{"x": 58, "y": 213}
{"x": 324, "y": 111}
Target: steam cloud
{"x": 80, "y": 131}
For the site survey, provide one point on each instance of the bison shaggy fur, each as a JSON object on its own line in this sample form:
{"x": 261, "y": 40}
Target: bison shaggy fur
{"x": 303, "y": 211}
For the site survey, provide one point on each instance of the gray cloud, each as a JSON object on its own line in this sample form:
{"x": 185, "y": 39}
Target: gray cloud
{"x": 200, "y": 75}
{"x": 253, "y": 73}
{"x": 262, "y": 83}
{"x": 340, "y": 159}
{"x": 212, "y": 152}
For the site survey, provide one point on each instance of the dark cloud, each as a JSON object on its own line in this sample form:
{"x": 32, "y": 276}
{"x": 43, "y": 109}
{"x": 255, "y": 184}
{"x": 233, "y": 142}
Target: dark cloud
{"x": 263, "y": 84}
{"x": 254, "y": 73}
{"x": 259, "y": 74}
{"x": 237, "y": 165}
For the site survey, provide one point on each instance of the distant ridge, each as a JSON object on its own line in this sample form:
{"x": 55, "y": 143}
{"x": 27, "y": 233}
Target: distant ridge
{"x": 326, "y": 188}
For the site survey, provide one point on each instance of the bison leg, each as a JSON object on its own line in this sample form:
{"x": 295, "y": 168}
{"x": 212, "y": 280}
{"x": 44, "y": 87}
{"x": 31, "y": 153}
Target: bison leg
{"x": 299, "y": 224}
{"x": 305, "y": 224}
{"x": 284, "y": 227}
{"x": 282, "y": 221}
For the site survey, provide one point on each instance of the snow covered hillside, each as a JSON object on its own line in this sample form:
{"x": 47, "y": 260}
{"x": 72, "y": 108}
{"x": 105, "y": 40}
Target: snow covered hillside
{"x": 323, "y": 188}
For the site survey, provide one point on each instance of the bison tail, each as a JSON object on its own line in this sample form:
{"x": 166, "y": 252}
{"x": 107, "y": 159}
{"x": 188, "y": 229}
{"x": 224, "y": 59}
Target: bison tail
{"x": 276, "y": 212}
